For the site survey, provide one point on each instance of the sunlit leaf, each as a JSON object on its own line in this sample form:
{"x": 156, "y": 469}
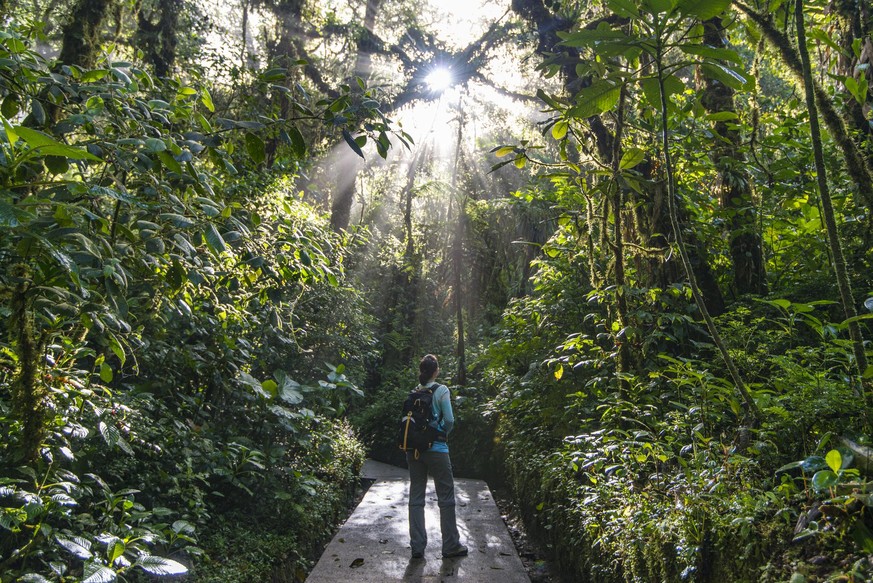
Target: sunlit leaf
{"x": 96, "y": 573}
{"x": 703, "y": 9}
{"x": 115, "y": 550}
{"x": 106, "y": 374}
{"x": 50, "y": 146}
{"x": 834, "y": 460}
{"x": 559, "y": 130}
{"x": 271, "y": 387}
{"x": 631, "y": 158}
{"x": 160, "y": 565}
{"x": 206, "y": 99}
{"x": 722, "y": 116}
{"x": 819, "y": 34}
{"x": 80, "y": 547}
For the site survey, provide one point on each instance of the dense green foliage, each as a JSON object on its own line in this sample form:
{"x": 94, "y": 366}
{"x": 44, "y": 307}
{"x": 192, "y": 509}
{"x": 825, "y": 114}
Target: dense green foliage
{"x": 653, "y": 313}
{"x": 158, "y": 301}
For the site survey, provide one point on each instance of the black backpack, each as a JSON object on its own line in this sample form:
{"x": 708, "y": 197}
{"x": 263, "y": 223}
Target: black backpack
{"x": 416, "y": 433}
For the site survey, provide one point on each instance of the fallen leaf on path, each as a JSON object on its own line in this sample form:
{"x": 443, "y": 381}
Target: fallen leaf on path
{"x": 356, "y": 563}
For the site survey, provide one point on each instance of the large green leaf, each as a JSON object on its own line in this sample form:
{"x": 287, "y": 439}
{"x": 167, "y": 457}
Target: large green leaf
{"x": 96, "y": 573}
{"x": 659, "y": 6}
{"x": 298, "y": 144}
{"x": 256, "y": 148}
{"x": 49, "y": 146}
{"x": 160, "y": 565}
{"x": 714, "y": 53}
{"x": 834, "y": 460}
{"x": 703, "y": 9}
{"x": 672, "y": 86}
{"x": 824, "y": 479}
{"x": 631, "y": 158}
{"x": 214, "y": 239}
{"x": 79, "y": 546}
{"x": 599, "y": 97}
{"x": 729, "y": 77}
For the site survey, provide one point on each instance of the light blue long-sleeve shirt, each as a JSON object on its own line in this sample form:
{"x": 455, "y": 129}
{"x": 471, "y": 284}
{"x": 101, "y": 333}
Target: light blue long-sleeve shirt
{"x": 442, "y": 413}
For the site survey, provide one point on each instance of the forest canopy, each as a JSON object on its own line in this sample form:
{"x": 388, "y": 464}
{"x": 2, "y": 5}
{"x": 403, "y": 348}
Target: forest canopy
{"x": 637, "y": 234}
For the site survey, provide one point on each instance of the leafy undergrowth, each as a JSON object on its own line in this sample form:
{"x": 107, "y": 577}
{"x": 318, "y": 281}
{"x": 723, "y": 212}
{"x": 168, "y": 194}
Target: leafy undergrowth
{"x": 656, "y": 501}
{"x": 281, "y": 546}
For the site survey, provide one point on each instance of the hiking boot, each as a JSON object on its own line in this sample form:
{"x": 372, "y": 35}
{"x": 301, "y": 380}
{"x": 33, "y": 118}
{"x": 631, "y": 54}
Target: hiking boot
{"x": 461, "y": 551}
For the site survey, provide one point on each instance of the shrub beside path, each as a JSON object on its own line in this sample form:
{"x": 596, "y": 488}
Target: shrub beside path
{"x": 373, "y": 545}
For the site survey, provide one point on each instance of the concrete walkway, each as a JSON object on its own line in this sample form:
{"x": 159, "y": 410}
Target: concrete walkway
{"x": 373, "y": 545}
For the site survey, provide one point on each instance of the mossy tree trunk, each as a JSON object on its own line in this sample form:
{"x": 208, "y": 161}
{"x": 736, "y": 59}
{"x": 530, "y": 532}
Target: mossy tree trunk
{"x": 735, "y": 193}
{"x": 28, "y": 394}
{"x": 156, "y": 35}
{"x": 81, "y": 36}
{"x": 830, "y": 222}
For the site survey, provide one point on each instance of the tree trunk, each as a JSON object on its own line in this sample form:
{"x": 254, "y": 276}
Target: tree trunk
{"x": 28, "y": 394}
{"x": 855, "y": 22}
{"x": 366, "y": 42}
{"x": 623, "y": 363}
{"x": 81, "y": 35}
{"x": 344, "y": 196}
{"x": 735, "y": 193}
{"x": 458, "y": 255}
{"x": 158, "y": 39}
{"x": 342, "y": 204}
{"x": 826, "y": 204}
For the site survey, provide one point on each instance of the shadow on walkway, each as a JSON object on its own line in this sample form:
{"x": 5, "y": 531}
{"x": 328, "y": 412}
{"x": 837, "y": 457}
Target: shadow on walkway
{"x": 373, "y": 545}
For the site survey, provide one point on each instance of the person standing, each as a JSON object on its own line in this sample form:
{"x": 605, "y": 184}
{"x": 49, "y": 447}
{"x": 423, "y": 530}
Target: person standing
{"x": 435, "y": 461}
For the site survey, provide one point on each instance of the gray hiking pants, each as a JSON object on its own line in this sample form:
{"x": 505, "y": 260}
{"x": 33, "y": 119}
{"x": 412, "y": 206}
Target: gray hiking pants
{"x": 438, "y": 465}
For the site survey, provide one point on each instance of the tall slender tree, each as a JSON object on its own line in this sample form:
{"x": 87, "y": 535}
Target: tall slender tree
{"x": 839, "y": 261}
